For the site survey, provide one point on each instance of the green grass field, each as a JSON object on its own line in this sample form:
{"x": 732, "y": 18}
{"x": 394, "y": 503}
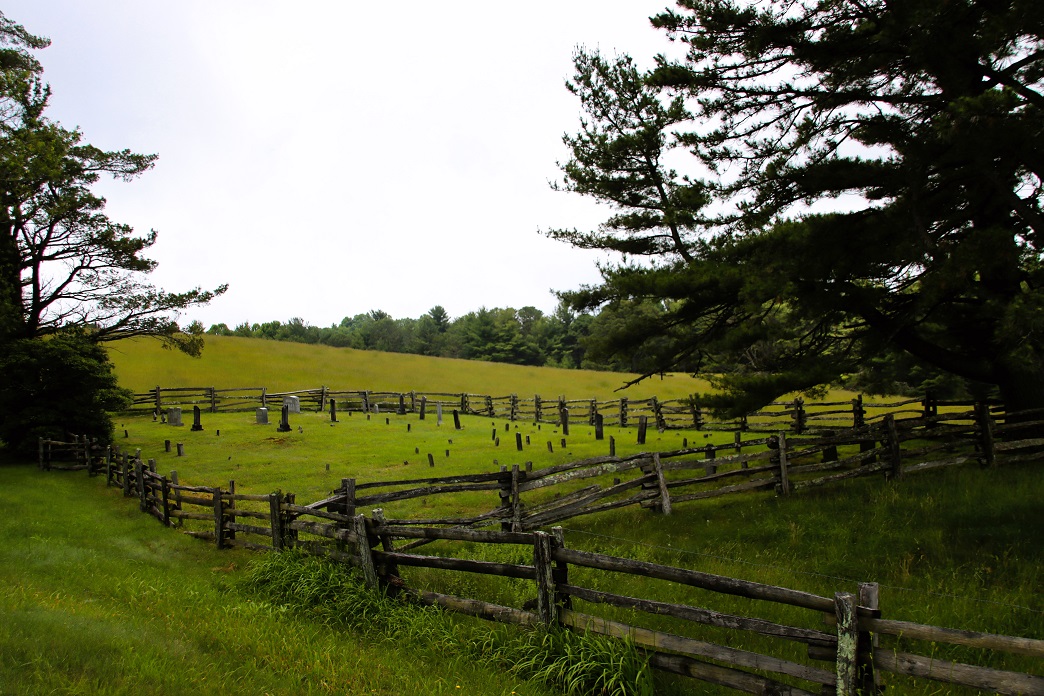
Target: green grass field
{"x": 231, "y": 361}
{"x": 97, "y": 599}
{"x": 956, "y": 548}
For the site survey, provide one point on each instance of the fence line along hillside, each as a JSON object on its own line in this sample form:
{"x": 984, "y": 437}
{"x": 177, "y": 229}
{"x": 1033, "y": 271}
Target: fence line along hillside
{"x": 838, "y": 644}
{"x": 795, "y": 415}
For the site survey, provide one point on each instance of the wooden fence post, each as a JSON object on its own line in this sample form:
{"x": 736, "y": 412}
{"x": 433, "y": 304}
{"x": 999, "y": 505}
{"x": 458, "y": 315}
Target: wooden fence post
{"x": 177, "y": 495}
{"x": 643, "y": 426}
{"x": 348, "y": 486}
{"x": 697, "y": 416}
{"x": 229, "y": 511}
{"x": 866, "y": 677}
{"x": 139, "y": 482}
{"x": 561, "y": 569}
{"x": 366, "y": 565}
{"x": 563, "y": 418}
{"x": 514, "y": 407}
{"x": 213, "y": 400}
{"x": 799, "y": 416}
{"x": 536, "y": 408}
{"x": 516, "y": 503}
{"x": 125, "y": 475}
{"x": 665, "y": 496}
{"x": 547, "y": 606}
{"x": 388, "y": 569}
{"x": 780, "y": 460}
{"x": 165, "y": 493}
{"x": 858, "y": 412}
{"x": 159, "y": 401}
{"x": 931, "y": 405}
{"x": 847, "y": 643}
{"x": 657, "y": 408}
{"x": 895, "y": 455}
{"x": 275, "y": 519}
{"x": 219, "y": 518}
{"x": 623, "y": 411}
{"x": 985, "y": 427}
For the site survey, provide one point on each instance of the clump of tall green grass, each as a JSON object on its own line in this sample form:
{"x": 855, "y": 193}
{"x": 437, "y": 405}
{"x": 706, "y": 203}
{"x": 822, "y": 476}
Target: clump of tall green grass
{"x": 576, "y": 663}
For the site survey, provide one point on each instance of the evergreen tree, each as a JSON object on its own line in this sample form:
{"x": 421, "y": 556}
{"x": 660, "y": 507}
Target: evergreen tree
{"x": 876, "y": 181}
{"x": 63, "y": 262}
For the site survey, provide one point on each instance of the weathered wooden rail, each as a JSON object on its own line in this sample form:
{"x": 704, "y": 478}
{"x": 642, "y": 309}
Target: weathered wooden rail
{"x": 857, "y": 641}
{"x": 854, "y": 640}
{"x": 793, "y": 416}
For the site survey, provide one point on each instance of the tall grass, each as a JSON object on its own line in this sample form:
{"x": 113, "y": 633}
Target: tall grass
{"x": 575, "y": 663}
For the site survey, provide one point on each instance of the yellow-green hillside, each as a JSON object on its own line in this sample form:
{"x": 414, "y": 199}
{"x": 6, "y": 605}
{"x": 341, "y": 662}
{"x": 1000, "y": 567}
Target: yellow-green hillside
{"x": 230, "y": 361}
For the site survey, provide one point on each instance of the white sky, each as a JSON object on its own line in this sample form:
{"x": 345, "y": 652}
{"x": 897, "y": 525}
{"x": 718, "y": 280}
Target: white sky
{"x": 326, "y": 158}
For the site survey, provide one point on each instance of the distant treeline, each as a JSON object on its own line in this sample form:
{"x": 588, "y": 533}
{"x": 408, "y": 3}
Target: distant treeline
{"x": 568, "y": 339}
{"x": 525, "y": 336}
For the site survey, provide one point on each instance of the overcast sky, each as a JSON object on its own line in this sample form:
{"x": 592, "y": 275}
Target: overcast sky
{"x": 329, "y": 158}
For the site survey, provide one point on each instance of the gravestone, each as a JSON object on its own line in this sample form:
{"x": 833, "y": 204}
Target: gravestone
{"x": 293, "y": 403}
{"x": 196, "y": 424}
{"x": 174, "y": 415}
{"x": 284, "y": 420}
{"x": 438, "y": 412}
{"x": 262, "y": 416}
{"x": 423, "y": 406}
{"x": 333, "y": 410}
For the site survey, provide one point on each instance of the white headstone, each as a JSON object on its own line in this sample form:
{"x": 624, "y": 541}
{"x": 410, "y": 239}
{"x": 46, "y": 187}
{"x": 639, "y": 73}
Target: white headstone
{"x": 262, "y": 416}
{"x": 174, "y": 415}
{"x": 293, "y": 402}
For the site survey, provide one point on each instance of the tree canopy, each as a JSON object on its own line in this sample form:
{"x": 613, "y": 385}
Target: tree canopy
{"x": 860, "y": 177}
{"x": 63, "y": 262}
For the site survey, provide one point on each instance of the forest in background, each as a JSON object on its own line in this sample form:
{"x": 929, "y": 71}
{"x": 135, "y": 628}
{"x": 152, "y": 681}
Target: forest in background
{"x": 565, "y": 339}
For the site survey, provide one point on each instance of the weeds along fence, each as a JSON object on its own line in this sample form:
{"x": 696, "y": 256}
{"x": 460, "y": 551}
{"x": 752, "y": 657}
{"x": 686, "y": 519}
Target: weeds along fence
{"x": 748, "y": 636}
{"x": 795, "y": 415}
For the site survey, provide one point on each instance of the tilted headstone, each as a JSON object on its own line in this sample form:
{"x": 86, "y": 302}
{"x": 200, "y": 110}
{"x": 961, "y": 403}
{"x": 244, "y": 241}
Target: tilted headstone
{"x": 293, "y": 402}
{"x": 262, "y": 416}
{"x": 174, "y": 415}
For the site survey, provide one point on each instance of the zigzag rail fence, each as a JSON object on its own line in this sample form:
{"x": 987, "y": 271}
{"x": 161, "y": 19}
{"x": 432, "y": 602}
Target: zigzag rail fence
{"x": 792, "y": 415}
{"x": 859, "y": 642}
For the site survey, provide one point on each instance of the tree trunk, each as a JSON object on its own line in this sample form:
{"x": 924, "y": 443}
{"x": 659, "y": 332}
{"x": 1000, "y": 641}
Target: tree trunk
{"x": 11, "y": 317}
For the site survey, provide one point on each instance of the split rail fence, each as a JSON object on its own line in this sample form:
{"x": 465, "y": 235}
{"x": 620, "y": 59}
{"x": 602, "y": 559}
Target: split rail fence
{"x": 793, "y": 415}
{"x": 846, "y": 656}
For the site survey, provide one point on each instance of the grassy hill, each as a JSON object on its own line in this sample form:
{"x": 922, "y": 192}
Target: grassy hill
{"x": 231, "y": 361}
{"x": 93, "y": 588}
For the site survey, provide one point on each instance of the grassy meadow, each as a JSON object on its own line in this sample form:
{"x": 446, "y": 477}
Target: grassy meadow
{"x": 96, "y": 599}
{"x": 233, "y": 361}
{"x": 958, "y": 547}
